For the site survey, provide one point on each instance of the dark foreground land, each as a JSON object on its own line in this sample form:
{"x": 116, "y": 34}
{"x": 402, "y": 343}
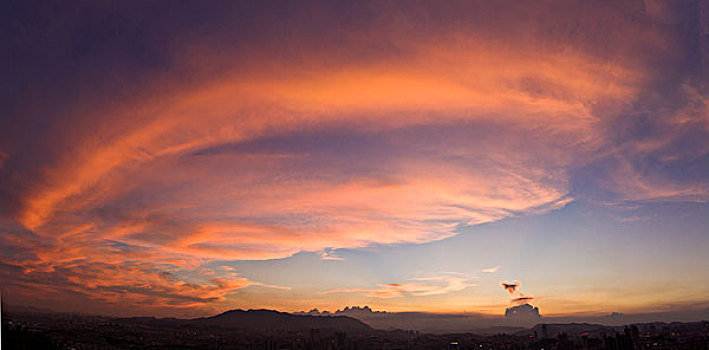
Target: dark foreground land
{"x": 263, "y": 329}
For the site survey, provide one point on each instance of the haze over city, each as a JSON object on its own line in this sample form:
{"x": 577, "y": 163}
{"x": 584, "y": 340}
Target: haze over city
{"x": 469, "y": 161}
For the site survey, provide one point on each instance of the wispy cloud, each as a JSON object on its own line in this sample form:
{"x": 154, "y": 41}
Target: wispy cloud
{"x": 492, "y": 269}
{"x": 328, "y": 254}
{"x": 416, "y": 287}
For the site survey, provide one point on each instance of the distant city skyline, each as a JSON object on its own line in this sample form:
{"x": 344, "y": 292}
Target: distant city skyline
{"x": 448, "y": 157}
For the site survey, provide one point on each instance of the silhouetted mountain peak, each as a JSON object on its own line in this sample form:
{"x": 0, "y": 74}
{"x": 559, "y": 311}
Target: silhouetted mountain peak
{"x": 240, "y": 313}
{"x": 263, "y": 320}
{"x": 353, "y": 311}
{"x": 357, "y": 309}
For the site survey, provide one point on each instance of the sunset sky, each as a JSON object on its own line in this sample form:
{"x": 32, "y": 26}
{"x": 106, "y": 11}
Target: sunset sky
{"x": 185, "y": 158}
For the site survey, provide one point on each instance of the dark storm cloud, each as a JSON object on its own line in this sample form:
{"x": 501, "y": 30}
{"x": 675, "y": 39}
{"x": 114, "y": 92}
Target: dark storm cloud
{"x": 518, "y": 297}
{"x": 522, "y": 300}
{"x": 511, "y": 286}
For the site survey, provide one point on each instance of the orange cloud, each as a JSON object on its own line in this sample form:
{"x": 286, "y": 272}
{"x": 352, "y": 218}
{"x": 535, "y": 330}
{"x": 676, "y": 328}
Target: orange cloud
{"x": 438, "y": 82}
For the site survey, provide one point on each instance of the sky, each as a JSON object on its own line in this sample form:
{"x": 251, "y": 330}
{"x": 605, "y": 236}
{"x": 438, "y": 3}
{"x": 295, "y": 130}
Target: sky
{"x": 182, "y": 159}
